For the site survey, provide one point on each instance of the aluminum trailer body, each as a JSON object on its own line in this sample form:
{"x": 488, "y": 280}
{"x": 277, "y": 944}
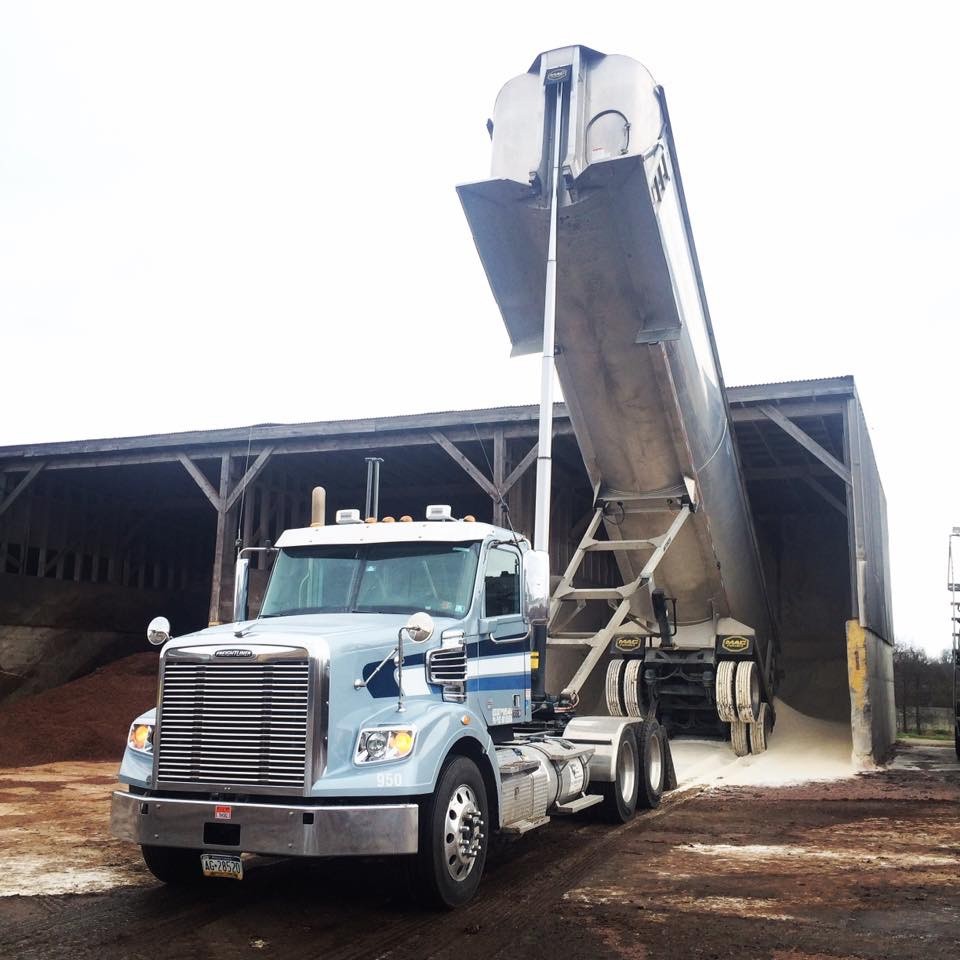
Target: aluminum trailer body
{"x": 641, "y": 377}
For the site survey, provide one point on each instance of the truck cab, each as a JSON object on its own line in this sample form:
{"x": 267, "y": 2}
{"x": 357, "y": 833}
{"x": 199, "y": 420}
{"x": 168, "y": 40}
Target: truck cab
{"x": 379, "y": 704}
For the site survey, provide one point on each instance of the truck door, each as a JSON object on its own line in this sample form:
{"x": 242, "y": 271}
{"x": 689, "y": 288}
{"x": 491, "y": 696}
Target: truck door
{"x": 503, "y": 664}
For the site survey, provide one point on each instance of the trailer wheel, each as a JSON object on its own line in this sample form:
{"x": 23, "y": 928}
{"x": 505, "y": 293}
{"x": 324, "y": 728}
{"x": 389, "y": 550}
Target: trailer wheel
{"x": 653, "y": 763}
{"x": 453, "y": 837}
{"x": 173, "y": 864}
{"x": 620, "y": 797}
{"x": 614, "y": 686}
{"x": 759, "y": 732}
{"x": 726, "y": 704}
{"x": 739, "y": 738}
{"x": 748, "y": 692}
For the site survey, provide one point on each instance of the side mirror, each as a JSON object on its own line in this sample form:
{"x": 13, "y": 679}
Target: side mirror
{"x": 419, "y": 627}
{"x": 158, "y": 631}
{"x": 536, "y": 586}
{"x": 241, "y": 589}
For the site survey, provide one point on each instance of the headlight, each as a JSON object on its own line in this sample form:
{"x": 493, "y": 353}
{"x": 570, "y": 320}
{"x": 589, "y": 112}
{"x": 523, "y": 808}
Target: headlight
{"x": 140, "y": 737}
{"x": 384, "y": 743}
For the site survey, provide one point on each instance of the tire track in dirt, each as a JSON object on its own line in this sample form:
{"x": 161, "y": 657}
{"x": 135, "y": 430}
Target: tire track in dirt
{"x": 540, "y": 884}
{"x": 213, "y": 921}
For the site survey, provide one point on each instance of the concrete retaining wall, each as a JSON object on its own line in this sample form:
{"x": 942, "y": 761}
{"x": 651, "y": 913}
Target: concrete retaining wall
{"x": 873, "y": 718}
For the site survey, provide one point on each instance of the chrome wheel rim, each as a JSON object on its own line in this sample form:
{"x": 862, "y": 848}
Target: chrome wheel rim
{"x": 462, "y": 832}
{"x": 626, "y": 772}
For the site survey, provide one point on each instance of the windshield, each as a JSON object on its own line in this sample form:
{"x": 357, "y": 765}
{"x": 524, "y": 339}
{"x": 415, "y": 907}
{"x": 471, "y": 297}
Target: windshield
{"x": 374, "y": 578}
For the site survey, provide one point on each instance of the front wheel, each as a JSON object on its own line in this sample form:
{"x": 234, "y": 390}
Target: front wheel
{"x": 454, "y": 828}
{"x": 173, "y": 864}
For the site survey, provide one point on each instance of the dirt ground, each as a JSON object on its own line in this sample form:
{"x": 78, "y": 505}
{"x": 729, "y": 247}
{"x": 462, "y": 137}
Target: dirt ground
{"x": 867, "y": 866}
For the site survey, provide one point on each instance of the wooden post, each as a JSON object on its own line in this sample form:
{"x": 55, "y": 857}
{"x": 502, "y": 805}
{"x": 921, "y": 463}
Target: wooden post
{"x": 499, "y": 470}
{"x": 216, "y": 585}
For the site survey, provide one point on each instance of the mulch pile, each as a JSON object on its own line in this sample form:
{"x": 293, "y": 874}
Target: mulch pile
{"x": 86, "y": 719}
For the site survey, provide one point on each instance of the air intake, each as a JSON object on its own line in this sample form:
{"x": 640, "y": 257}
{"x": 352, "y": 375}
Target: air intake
{"x": 447, "y": 667}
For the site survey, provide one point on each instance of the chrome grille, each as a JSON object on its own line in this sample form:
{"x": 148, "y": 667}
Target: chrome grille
{"x": 234, "y": 724}
{"x": 448, "y": 666}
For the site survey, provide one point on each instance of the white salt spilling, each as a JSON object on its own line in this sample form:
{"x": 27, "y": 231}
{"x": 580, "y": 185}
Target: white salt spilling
{"x": 801, "y": 749}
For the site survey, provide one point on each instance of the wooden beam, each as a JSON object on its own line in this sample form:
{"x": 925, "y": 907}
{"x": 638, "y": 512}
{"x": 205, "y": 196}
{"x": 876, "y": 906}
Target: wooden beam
{"x": 499, "y": 467}
{"x": 465, "y": 464}
{"x": 216, "y": 585}
{"x": 790, "y": 408}
{"x": 25, "y": 482}
{"x": 318, "y": 445}
{"x": 834, "y": 502}
{"x": 521, "y": 468}
{"x": 202, "y": 482}
{"x": 252, "y": 473}
{"x": 807, "y": 442}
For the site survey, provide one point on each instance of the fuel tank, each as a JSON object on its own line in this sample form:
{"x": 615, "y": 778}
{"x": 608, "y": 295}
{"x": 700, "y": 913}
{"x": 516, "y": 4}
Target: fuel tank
{"x": 635, "y": 352}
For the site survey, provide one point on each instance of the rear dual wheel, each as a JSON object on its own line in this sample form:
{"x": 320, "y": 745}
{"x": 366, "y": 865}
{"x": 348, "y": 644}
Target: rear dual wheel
{"x": 752, "y": 738}
{"x": 625, "y": 695}
{"x": 640, "y": 772}
{"x": 737, "y": 691}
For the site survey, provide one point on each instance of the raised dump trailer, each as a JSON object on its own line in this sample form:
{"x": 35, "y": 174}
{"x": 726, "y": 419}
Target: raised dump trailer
{"x": 585, "y": 238}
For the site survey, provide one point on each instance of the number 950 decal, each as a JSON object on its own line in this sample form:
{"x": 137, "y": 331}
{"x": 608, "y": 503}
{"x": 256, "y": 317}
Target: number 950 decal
{"x": 389, "y": 779}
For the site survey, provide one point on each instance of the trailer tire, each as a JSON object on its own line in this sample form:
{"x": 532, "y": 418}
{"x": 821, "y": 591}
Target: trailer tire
{"x": 442, "y": 875}
{"x": 614, "y": 687}
{"x": 620, "y": 797}
{"x": 759, "y": 732}
{"x": 652, "y": 740}
{"x": 748, "y": 692}
{"x": 173, "y": 864}
{"x": 723, "y": 689}
{"x": 739, "y": 738}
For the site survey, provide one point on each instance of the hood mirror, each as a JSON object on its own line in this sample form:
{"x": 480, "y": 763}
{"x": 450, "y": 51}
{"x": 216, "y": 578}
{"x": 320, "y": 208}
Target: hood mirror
{"x": 419, "y": 627}
{"x": 158, "y": 631}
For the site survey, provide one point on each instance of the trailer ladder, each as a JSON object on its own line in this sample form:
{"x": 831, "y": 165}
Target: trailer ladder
{"x": 619, "y": 598}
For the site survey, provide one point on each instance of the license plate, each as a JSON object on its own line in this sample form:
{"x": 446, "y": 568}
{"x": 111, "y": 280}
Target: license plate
{"x": 215, "y": 865}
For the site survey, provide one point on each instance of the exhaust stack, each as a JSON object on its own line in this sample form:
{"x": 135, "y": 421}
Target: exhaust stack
{"x": 318, "y": 507}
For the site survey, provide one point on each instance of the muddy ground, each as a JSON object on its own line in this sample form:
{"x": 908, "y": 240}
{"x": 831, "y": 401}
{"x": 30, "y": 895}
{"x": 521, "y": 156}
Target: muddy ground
{"x": 861, "y": 867}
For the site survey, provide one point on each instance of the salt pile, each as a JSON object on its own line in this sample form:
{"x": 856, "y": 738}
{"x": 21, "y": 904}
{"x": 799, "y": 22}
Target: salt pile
{"x": 802, "y": 749}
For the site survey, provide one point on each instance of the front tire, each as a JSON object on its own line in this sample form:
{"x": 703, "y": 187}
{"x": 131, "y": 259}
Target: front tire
{"x": 454, "y": 828}
{"x": 173, "y": 864}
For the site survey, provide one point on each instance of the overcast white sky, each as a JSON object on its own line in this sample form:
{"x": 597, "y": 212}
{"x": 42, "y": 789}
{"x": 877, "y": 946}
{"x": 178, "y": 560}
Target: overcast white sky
{"x": 214, "y": 214}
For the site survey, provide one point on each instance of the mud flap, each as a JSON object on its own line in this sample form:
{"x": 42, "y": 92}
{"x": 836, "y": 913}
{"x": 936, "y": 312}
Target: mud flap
{"x": 670, "y": 771}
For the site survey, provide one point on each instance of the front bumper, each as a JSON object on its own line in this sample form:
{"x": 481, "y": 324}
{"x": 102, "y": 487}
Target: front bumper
{"x": 280, "y": 829}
